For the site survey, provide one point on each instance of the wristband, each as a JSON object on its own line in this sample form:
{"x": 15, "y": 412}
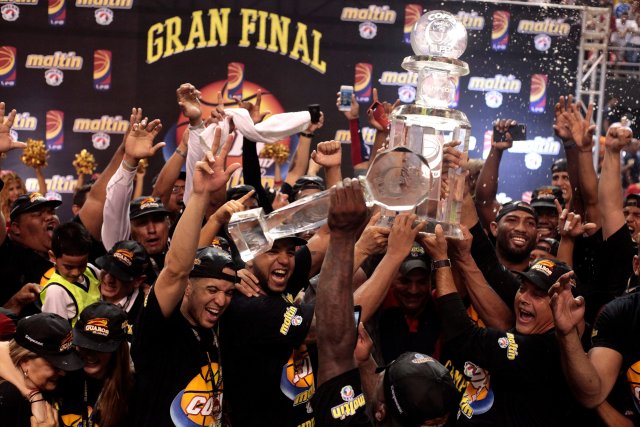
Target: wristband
{"x": 128, "y": 167}
{"x": 440, "y": 264}
{"x": 33, "y": 393}
{"x": 181, "y": 153}
{"x": 307, "y": 135}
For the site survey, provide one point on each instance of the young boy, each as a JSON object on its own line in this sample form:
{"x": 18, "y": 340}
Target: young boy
{"x": 74, "y": 285}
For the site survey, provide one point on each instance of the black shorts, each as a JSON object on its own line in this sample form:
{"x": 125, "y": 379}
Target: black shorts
{"x": 340, "y": 402}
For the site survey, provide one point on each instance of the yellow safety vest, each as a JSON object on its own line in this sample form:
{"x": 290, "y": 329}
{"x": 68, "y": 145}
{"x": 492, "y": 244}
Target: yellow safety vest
{"x": 80, "y": 296}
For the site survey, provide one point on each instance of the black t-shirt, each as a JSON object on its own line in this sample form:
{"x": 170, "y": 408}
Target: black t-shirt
{"x": 15, "y": 410}
{"x": 526, "y": 386}
{"x": 73, "y": 406}
{"x": 19, "y": 266}
{"x": 341, "y": 402}
{"x": 618, "y": 328}
{"x": 178, "y": 379}
{"x": 264, "y": 384}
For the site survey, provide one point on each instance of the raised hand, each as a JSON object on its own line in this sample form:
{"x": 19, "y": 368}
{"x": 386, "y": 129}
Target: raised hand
{"x": 348, "y": 211}
{"x": 568, "y": 312}
{"x": 373, "y": 239}
{"x": 249, "y": 284}
{"x": 139, "y": 143}
{"x": 224, "y": 212}
{"x": 582, "y": 129}
{"x": 211, "y": 173}
{"x": 617, "y": 138}
{"x": 435, "y": 244}
{"x": 328, "y": 154}
{"x": 460, "y": 249}
{"x": 354, "y": 112}
{"x": 7, "y": 143}
{"x": 388, "y": 108}
{"x": 315, "y": 126}
{"x": 364, "y": 345}
{"x": 189, "y": 102}
{"x": 254, "y": 109}
{"x": 503, "y": 125}
{"x": 561, "y": 127}
{"x": 403, "y": 233}
{"x": 570, "y": 224}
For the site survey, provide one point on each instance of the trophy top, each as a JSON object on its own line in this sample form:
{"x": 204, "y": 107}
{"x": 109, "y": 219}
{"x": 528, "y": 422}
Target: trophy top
{"x": 453, "y": 66}
{"x": 439, "y": 33}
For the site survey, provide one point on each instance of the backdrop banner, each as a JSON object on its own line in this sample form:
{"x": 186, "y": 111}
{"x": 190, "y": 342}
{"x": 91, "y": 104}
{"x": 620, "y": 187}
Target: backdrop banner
{"x": 73, "y": 69}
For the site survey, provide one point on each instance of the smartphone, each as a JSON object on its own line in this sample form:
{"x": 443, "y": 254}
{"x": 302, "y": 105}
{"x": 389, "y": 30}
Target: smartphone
{"x": 314, "y": 110}
{"x": 346, "y": 92}
{"x": 379, "y": 114}
{"x": 518, "y": 133}
{"x": 357, "y": 311}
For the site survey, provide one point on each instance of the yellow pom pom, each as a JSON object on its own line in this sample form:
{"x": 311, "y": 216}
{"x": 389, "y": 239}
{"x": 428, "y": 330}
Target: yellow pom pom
{"x": 280, "y": 153}
{"x": 143, "y": 164}
{"x": 267, "y": 151}
{"x": 85, "y": 163}
{"x": 35, "y": 154}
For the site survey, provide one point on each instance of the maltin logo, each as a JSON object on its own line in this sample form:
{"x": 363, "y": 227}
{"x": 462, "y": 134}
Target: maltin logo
{"x": 11, "y": 12}
{"x": 104, "y": 13}
{"x": 101, "y": 128}
{"x": 54, "y": 64}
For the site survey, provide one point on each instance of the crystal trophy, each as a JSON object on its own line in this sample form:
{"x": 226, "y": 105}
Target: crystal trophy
{"x": 398, "y": 180}
{"x": 438, "y": 40}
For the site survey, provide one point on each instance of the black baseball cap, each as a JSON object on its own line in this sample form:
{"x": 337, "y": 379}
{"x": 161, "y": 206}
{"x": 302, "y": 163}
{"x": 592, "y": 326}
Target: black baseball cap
{"x": 49, "y": 336}
{"x": 102, "y": 326}
{"x": 559, "y": 165}
{"x": 417, "y": 258}
{"x": 236, "y": 192}
{"x": 516, "y": 206}
{"x": 30, "y": 202}
{"x": 146, "y": 205}
{"x": 209, "y": 263}
{"x": 417, "y": 388}
{"x": 306, "y": 182}
{"x": 543, "y": 197}
{"x": 126, "y": 260}
{"x": 632, "y": 199}
{"x": 544, "y": 273}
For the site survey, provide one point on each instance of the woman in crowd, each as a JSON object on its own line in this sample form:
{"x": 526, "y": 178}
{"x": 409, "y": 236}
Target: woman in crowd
{"x": 99, "y": 393}
{"x": 13, "y": 188}
{"x": 40, "y": 353}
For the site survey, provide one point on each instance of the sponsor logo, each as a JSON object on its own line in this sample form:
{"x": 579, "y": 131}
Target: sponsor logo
{"x": 538, "y": 95}
{"x": 110, "y": 4}
{"x": 471, "y": 20}
{"x": 57, "y": 12}
{"x": 296, "y": 320}
{"x": 543, "y": 267}
{"x": 97, "y": 326}
{"x": 36, "y": 197}
{"x": 378, "y": 14}
{"x": 57, "y": 184}
{"x": 368, "y": 30}
{"x": 407, "y": 93}
{"x": 499, "y": 83}
{"x": 502, "y": 342}
{"x": 10, "y": 12}
{"x": 552, "y": 27}
{"x": 67, "y": 342}
{"x": 102, "y": 69}
{"x": 149, "y": 203}
{"x": 104, "y": 16}
{"x": 541, "y": 145}
{"x": 235, "y": 78}
{"x": 21, "y": 2}
{"x": 533, "y": 161}
{"x": 368, "y": 135}
{"x": 25, "y": 121}
{"x": 55, "y": 132}
{"x": 100, "y": 140}
{"x": 512, "y": 348}
{"x": 296, "y": 380}
{"x": 394, "y": 78}
{"x": 349, "y": 408}
{"x": 288, "y": 317}
{"x": 456, "y": 96}
{"x": 59, "y": 60}
{"x": 196, "y": 405}
{"x": 125, "y": 256}
{"x": 412, "y": 13}
{"x": 110, "y": 124}
{"x": 419, "y": 358}
{"x": 493, "y": 99}
{"x": 54, "y": 77}
{"x": 542, "y": 42}
{"x": 500, "y": 30}
{"x": 347, "y": 394}
{"x": 7, "y": 66}
{"x": 363, "y": 81}
{"x": 100, "y": 321}
{"x": 28, "y": 338}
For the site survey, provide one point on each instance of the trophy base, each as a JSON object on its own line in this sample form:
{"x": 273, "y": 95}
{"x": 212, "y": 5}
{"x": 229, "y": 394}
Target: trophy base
{"x": 450, "y": 230}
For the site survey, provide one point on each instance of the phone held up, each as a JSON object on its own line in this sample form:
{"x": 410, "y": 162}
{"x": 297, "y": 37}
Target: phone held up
{"x": 346, "y": 92}
{"x": 314, "y": 111}
{"x": 377, "y": 109}
{"x": 518, "y": 133}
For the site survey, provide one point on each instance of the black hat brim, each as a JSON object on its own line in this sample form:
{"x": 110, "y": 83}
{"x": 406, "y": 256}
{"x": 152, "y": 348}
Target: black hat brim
{"x": 145, "y": 212}
{"x": 106, "y": 264}
{"x": 69, "y": 361}
{"x": 103, "y": 346}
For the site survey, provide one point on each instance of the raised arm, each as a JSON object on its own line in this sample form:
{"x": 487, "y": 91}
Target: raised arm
{"x": 328, "y": 154}
{"x": 610, "y": 186}
{"x": 301, "y": 159}
{"x": 210, "y": 175}
{"x": 487, "y": 185}
{"x": 336, "y": 334}
{"x": 171, "y": 171}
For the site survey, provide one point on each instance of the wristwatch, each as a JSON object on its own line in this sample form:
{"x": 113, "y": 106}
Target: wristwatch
{"x": 440, "y": 264}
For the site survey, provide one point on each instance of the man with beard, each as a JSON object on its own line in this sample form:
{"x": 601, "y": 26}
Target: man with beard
{"x": 632, "y": 214}
{"x": 543, "y": 202}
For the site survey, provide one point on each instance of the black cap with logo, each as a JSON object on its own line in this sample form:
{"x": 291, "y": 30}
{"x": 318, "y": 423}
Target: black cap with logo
{"x": 544, "y": 273}
{"x": 209, "y": 263}
{"x": 102, "y": 326}
{"x": 417, "y": 258}
{"x": 417, "y": 389}
{"x": 126, "y": 260}
{"x": 516, "y": 206}
{"x": 544, "y": 197}
{"x": 306, "y": 182}
{"x": 146, "y": 205}
{"x": 30, "y": 202}
{"x": 49, "y": 336}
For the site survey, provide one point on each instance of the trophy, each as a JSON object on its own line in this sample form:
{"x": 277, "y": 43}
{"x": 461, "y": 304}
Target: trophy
{"x": 398, "y": 180}
{"x": 438, "y": 40}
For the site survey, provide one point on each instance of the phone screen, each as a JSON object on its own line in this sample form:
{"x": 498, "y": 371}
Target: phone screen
{"x": 345, "y": 98}
{"x": 518, "y": 133}
{"x": 357, "y": 311}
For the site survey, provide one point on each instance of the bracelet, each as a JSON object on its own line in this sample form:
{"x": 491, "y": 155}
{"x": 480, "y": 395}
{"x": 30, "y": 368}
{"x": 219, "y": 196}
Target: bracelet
{"x": 307, "y": 135}
{"x": 198, "y": 126}
{"x": 128, "y": 167}
{"x": 440, "y": 264}
{"x": 181, "y": 153}
{"x": 36, "y": 401}
{"x": 33, "y": 393}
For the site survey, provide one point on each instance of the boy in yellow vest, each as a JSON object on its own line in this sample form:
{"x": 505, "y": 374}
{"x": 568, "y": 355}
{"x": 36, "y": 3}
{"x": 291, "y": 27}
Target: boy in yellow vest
{"x": 74, "y": 285}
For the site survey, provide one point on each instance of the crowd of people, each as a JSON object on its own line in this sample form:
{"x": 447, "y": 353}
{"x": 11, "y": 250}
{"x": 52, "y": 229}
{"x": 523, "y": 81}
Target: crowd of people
{"x": 141, "y": 311}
